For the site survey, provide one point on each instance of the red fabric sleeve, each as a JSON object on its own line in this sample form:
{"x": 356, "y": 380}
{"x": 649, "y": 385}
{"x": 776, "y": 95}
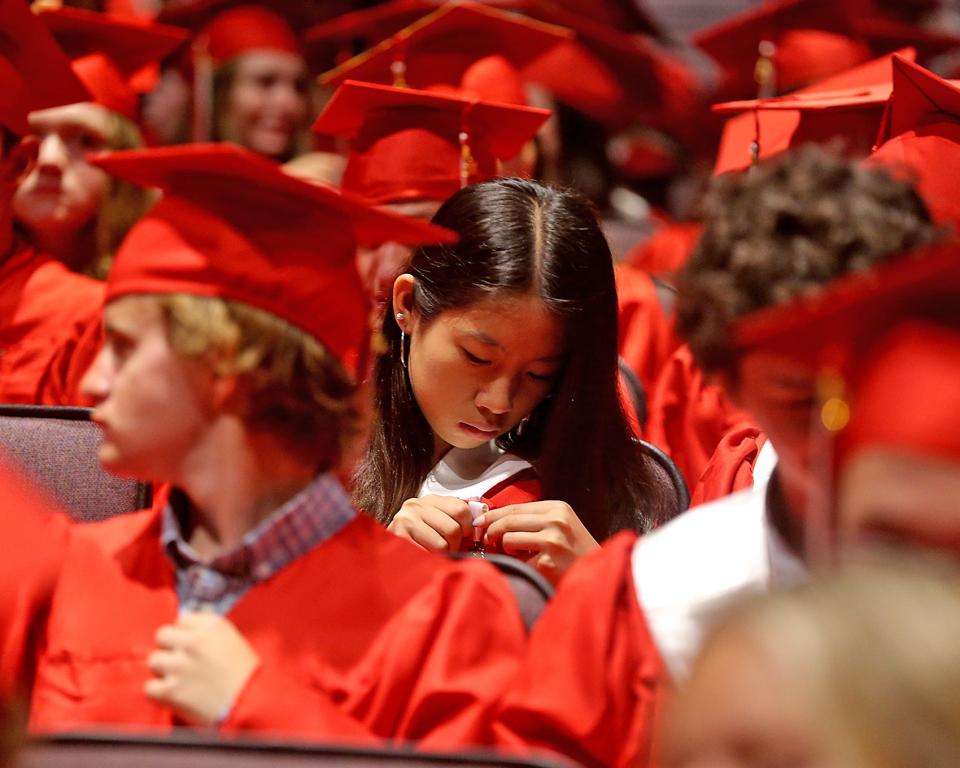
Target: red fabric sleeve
{"x": 591, "y": 684}
{"x": 522, "y": 488}
{"x": 730, "y": 469}
{"x": 689, "y": 416}
{"x": 434, "y": 675}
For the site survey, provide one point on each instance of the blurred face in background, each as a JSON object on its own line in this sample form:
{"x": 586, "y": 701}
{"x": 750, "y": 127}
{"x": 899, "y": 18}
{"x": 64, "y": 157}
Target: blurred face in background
{"x": 379, "y": 266}
{"x": 267, "y": 103}
{"x": 63, "y": 193}
{"x": 744, "y": 707}
{"x": 900, "y": 499}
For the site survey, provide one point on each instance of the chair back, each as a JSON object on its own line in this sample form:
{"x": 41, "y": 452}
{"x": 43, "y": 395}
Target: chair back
{"x": 671, "y": 486}
{"x": 191, "y": 751}
{"x": 531, "y": 590}
{"x": 57, "y": 448}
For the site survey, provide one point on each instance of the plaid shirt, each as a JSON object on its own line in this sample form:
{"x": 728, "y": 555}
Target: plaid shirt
{"x": 309, "y": 518}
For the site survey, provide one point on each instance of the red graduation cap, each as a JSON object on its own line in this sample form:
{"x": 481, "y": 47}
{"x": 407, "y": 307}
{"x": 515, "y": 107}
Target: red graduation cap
{"x": 811, "y": 39}
{"x": 130, "y": 45}
{"x": 409, "y": 144}
{"x": 34, "y": 72}
{"x": 921, "y": 134}
{"x": 442, "y": 47}
{"x": 620, "y": 76}
{"x": 298, "y": 14}
{"x": 888, "y": 364}
{"x": 234, "y": 225}
{"x": 111, "y": 55}
{"x": 247, "y": 28}
{"x": 848, "y": 105}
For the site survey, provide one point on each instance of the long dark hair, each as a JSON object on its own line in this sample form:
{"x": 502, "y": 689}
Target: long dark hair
{"x": 518, "y": 236}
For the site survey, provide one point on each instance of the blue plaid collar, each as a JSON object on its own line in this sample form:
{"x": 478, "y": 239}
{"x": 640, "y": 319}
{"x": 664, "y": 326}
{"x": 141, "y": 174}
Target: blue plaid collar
{"x": 312, "y": 516}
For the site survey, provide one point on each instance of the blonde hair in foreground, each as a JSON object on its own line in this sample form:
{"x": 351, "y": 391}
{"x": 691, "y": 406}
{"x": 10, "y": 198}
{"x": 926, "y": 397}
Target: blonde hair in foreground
{"x": 876, "y": 647}
{"x": 295, "y": 388}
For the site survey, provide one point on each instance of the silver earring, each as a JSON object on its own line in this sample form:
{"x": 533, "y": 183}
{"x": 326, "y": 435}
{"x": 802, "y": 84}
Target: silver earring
{"x": 403, "y": 341}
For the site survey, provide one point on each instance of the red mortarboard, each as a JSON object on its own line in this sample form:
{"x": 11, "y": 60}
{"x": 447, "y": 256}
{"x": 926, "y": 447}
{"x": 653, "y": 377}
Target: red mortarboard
{"x": 874, "y": 336}
{"x": 299, "y": 14}
{"x": 613, "y": 68}
{"x": 247, "y": 28}
{"x": 440, "y": 48}
{"x": 905, "y": 395}
{"x": 232, "y": 224}
{"x": 34, "y": 72}
{"x": 130, "y": 45}
{"x": 110, "y": 54}
{"x": 813, "y": 38}
{"x": 921, "y": 133}
{"x": 848, "y": 105}
{"x": 409, "y": 145}
{"x": 620, "y": 76}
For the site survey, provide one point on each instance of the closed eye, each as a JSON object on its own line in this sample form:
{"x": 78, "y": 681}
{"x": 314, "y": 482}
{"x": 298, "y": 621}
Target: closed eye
{"x": 474, "y": 359}
{"x": 545, "y": 378}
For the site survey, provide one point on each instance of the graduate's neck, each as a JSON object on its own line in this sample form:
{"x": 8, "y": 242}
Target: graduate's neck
{"x": 440, "y": 448}
{"x": 234, "y": 480}
{"x": 75, "y": 248}
{"x": 786, "y": 505}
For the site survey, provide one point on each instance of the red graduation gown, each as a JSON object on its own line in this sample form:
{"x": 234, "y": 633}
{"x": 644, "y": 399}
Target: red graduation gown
{"x": 730, "y": 469}
{"x": 688, "y": 416}
{"x": 49, "y": 328}
{"x": 646, "y": 337}
{"x": 310, "y": 623}
{"x": 34, "y": 539}
{"x": 667, "y": 250}
{"x": 434, "y": 676}
{"x": 591, "y": 685}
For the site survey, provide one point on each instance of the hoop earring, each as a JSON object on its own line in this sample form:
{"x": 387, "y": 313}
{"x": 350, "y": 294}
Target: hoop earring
{"x": 403, "y": 340}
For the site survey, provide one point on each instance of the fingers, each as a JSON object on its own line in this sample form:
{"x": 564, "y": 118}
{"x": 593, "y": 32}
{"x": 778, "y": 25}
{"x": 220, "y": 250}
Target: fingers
{"x": 436, "y": 523}
{"x": 159, "y": 688}
{"x": 171, "y": 636}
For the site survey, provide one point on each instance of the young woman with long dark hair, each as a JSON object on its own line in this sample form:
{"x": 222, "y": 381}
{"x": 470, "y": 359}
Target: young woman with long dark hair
{"x": 500, "y": 383}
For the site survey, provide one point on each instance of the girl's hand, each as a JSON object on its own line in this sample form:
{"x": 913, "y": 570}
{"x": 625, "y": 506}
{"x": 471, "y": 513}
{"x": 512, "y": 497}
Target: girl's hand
{"x": 547, "y": 534}
{"x": 435, "y": 523}
{"x": 200, "y": 666}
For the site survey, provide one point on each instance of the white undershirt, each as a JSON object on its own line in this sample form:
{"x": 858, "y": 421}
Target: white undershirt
{"x": 469, "y": 472}
{"x": 700, "y": 563}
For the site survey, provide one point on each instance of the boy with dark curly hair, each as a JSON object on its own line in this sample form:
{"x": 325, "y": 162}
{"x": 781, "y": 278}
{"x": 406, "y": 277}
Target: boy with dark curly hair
{"x": 631, "y": 617}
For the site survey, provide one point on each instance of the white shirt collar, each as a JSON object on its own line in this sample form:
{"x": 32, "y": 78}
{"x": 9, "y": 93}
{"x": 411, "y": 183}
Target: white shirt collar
{"x": 469, "y": 472}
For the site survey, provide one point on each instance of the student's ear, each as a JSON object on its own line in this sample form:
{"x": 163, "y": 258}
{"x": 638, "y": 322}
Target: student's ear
{"x": 21, "y": 160}
{"x": 229, "y": 393}
{"x": 403, "y": 301}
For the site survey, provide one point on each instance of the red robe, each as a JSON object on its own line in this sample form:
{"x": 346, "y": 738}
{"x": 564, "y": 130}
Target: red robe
{"x": 309, "y": 624}
{"x": 730, "y": 469}
{"x": 592, "y": 685}
{"x": 49, "y": 328}
{"x": 34, "y": 540}
{"x": 666, "y": 250}
{"x": 646, "y": 338}
{"x": 689, "y": 417}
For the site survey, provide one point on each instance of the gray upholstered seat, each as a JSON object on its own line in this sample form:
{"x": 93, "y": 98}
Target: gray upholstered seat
{"x": 57, "y": 448}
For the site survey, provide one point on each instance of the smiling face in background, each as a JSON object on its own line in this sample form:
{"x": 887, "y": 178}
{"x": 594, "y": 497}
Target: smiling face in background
{"x": 267, "y": 102}
{"x": 64, "y": 192}
{"x": 477, "y": 371}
